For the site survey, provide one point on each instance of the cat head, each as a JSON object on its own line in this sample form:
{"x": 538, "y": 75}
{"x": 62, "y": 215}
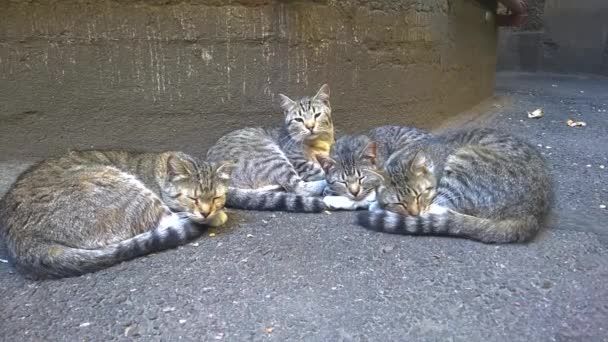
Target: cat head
{"x": 411, "y": 185}
{"x": 350, "y": 170}
{"x": 194, "y": 187}
{"x": 308, "y": 118}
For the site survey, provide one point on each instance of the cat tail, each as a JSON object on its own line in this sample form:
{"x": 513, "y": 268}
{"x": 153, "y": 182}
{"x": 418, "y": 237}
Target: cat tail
{"x": 451, "y": 223}
{"x": 251, "y": 199}
{"x": 57, "y": 260}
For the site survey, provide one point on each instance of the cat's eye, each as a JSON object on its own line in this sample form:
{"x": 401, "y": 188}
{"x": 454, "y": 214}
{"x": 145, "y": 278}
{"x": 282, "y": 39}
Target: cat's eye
{"x": 401, "y": 206}
{"x": 300, "y": 120}
{"x": 217, "y": 198}
{"x": 176, "y": 195}
{"x": 317, "y": 115}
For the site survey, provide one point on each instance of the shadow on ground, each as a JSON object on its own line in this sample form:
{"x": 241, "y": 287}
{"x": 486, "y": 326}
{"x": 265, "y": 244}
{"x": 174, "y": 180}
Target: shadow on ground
{"x": 277, "y": 276}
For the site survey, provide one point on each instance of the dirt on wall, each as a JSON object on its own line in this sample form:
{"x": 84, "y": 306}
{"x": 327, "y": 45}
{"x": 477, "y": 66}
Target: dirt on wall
{"x": 565, "y": 36}
{"x": 155, "y": 75}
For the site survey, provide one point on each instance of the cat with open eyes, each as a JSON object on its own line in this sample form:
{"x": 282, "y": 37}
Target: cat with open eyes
{"x": 277, "y": 169}
{"x": 88, "y": 210}
{"x": 478, "y": 183}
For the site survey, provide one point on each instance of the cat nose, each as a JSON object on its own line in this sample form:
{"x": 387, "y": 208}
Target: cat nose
{"x": 354, "y": 189}
{"x": 310, "y": 126}
{"x": 204, "y": 210}
{"x": 413, "y": 210}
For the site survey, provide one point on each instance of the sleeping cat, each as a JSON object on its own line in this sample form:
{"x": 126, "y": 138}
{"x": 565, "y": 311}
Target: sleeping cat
{"x": 89, "y": 210}
{"x": 277, "y": 169}
{"x": 479, "y": 184}
{"x": 355, "y": 166}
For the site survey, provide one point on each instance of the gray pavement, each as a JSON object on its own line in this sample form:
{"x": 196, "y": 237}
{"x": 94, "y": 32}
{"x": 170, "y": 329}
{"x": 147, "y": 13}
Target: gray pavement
{"x": 278, "y": 276}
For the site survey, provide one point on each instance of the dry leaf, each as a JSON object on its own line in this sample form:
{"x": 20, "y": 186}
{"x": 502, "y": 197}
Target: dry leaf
{"x": 536, "y": 114}
{"x": 573, "y": 123}
{"x": 211, "y": 234}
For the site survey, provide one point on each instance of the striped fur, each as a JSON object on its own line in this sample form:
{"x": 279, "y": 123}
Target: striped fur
{"x": 284, "y": 157}
{"x": 452, "y": 223}
{"x": 390, "y": 139}
{"x": 273, "y": 200}
{"x": 56, "y": 259}
{"x": 354, "y": 168}
{"x": 88, "y": 210}
{"x": 491, "y": 187}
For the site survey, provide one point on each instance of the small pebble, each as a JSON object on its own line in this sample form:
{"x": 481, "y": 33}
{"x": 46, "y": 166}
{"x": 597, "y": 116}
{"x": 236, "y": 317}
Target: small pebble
{"x": 546, "y": 284}
{"x": 182, "y": 321}
{"x": 387, "y": 248}
{"x": 131, "y": 330}
{"x": 548, "y": 147}
{"x": 588, "y": 165}
{"x": 602, "y": 167}
{"x": 602, "y": 206}
{"x": 168, "y": 309}
{"x": 85, "y": 324}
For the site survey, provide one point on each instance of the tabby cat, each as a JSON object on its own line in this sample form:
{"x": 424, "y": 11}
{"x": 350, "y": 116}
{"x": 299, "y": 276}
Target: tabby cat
{"x": 354, "y": 168}
{"x": 277, "y": 169}
{"x": 88, "y": 210}
{"x": 351, "y": 173}
{"x": 479, "y": 184}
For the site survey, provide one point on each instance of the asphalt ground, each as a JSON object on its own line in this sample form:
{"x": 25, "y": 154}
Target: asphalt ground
{"x": 319, "y": 277}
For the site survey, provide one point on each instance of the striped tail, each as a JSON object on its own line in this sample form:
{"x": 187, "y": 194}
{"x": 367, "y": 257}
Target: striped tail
{"x": 59, "y": 260}
{"x": 451, "y": 223}
{"x": 250, "y": 199}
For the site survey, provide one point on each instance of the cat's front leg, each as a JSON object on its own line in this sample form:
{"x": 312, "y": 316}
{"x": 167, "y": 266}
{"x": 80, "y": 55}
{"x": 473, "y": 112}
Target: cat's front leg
{"x": 373, "y": 206}
{"x": 345, "y": 203}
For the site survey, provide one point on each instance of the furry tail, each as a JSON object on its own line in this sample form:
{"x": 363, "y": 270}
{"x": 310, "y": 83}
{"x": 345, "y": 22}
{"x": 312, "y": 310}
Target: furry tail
{"x": 57, "y": 260}
{"x": 451, "y": 223}
{"x": 249, "y": 199}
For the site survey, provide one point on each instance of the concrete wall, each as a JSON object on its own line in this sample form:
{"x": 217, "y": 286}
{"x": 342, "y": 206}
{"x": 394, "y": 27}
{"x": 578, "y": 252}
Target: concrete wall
{"x": 560, "y": 36}
{"x": 163, "y": 74}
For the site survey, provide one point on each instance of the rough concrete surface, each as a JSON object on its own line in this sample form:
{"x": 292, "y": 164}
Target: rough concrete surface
{"x": 318, "y": 277}
{"x": 178, "y": 74}
{"x": 559, "y": 36}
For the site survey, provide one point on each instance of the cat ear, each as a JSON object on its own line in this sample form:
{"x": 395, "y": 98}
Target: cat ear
{"x": 323, "y": 93}
{"x": 179, "y": 168}
{"x": 369, "y": 152}
{"x": 286, "y": 102}
{"x": 224, "y": 170}
{"x": 326, "y": 162}
{"x": 420, "y": 164}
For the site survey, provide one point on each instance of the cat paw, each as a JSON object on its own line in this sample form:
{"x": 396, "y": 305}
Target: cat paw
{"x": 339, "y": 203}
{"x": 218, "y": 219}
{"x": 315, "y": 188}
{"x": 373, "y": 206}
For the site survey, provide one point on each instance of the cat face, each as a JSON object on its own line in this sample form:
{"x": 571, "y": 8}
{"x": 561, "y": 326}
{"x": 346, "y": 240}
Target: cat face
{"x": 412, "y": 186}
{"x": 308, "y": 118}
{"x": 198, "y": 188}
{"x": 352, "y": 170}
